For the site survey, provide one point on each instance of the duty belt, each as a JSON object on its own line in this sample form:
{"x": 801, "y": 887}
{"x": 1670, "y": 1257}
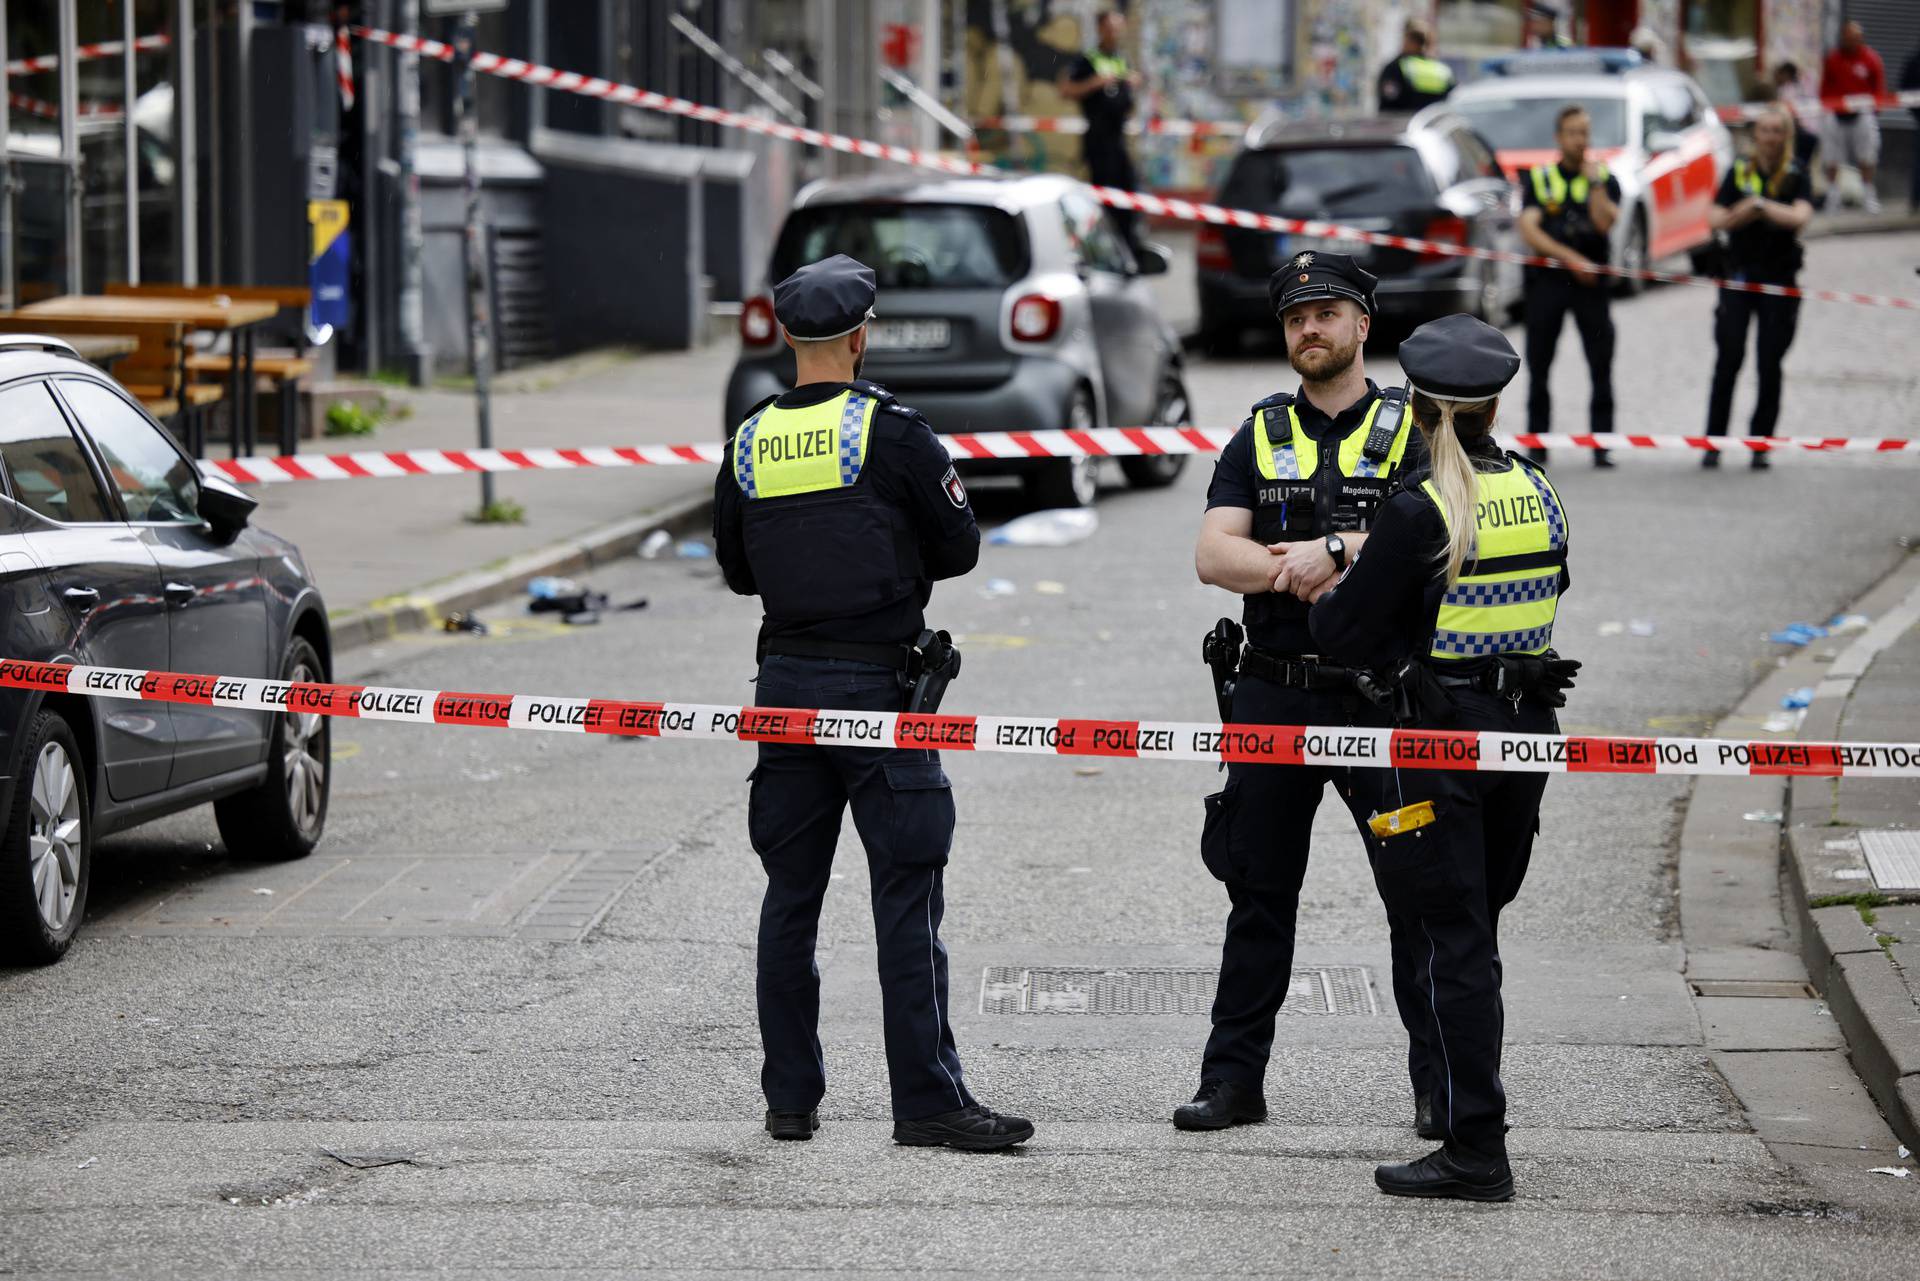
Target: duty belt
{"x": 1507, "y": 677}
{"x": 1305, "y": 671}
{"x": 898, "y": 657}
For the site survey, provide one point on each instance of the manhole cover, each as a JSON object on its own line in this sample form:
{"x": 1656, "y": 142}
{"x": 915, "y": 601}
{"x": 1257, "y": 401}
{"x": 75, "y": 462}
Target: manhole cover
{"x": 1894, "y": 858}
{"x": 1071, "y": 989}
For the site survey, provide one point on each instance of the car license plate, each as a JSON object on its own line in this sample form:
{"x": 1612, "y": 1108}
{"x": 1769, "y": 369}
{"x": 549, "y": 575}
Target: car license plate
{"x": 1350, "y": 245}
{"x": 909, "y": 335}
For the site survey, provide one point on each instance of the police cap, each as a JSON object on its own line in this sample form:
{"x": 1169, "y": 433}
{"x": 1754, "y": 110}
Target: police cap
{"x": 826, "y": 299}
{"x": 1458, "y": 358}
{"x": 1542, "y": 10}
{"x": 1313, "y": 276}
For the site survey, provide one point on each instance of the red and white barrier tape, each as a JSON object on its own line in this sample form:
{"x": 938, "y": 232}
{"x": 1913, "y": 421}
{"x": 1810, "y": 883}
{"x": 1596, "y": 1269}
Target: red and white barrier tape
{"x": 343, "y": 67}
{"x": 1037, "y": 735}
{"x": 1139, "y": 201}
{"x": 51, "y": 110}
{"x": 1850, "y": 103}
{"x": 87, "y": 52}
{"x": 1098, "y": 442}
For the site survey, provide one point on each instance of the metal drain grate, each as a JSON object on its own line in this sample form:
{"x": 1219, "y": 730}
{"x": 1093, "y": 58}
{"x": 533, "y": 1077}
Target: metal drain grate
{"x": 1894, "y": 858}
{"x": 1069, "y": 989}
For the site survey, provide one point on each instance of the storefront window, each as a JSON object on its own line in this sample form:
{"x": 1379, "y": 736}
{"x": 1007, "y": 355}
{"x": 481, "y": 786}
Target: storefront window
{"x": 1723, "y": 47}
{"x": 42, "y": 171}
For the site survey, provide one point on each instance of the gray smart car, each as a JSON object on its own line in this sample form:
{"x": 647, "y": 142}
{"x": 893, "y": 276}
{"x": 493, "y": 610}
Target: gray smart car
{"x": 1005, "y": 305}
{"x": 115, "y": 551}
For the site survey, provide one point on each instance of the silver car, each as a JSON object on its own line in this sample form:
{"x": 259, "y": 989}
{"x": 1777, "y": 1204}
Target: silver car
{"x": 1005, "y": 305}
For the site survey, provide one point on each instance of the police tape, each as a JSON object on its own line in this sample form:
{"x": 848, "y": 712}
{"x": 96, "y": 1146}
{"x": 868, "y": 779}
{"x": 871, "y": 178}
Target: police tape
{"x": 86, "y": 53}
{"x": 1138, "y": 201}
{"x": 1813, "y": 109}
{"x": 1030, "y": 735}
{"x": 985, "y": 446}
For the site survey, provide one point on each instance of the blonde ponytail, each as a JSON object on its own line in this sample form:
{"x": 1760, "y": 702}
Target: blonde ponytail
{"x": 1454, "y": 475}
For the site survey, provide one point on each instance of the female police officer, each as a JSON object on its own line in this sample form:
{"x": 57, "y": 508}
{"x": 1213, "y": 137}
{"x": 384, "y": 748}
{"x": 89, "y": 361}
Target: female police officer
{"x": 1456, "y": 593}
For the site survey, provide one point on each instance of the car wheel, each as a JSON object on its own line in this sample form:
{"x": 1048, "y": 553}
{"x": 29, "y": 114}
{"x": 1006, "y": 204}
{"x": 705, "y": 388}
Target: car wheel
{"x": 46, "y": 855}
{"x": 1068, "y": 482}
{"x": 1156, "y": 471}
{"x": 1635, "y": 258}
{"x": 283, "y": 817}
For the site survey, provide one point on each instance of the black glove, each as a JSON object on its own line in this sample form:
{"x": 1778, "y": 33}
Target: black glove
{"x": 1556, "y": 678}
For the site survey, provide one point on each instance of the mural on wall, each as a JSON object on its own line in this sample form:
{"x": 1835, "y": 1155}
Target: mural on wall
{"x": 1793, "y": 34}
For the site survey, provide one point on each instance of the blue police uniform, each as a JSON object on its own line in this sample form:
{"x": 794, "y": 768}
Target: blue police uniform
{"x": 1450, "y": 848}
{"x": 838, "y": 507}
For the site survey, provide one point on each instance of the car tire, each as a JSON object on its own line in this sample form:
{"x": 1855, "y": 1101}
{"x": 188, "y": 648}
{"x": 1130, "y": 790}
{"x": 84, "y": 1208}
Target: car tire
{"x": 1172, "y": 408}
{"x": 283, "y": 818}
{"x": 1636, "y": 257}
{"x": 1068, "y": 482}
{"x": 46, "y": 852}
{"x": 1217, "y": 339}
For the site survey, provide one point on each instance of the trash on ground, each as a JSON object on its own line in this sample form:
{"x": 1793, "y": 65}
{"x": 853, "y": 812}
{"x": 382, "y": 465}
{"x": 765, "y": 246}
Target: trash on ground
{"x": 1897, "y": 1171}
{"x": 1055, "y": 527}
{"x": 375, "y": 1159}
{"x": 94, "y": 1160}
{"x": 564, "y": 596}
{"x": 1640, "y": 627}
{"x": 1613, "y": 627}
{"x": 998, "y": 587}
{"x": 639, "y": 602}
{"x": 1904, "y": 1154}
{"x": 692, "y": 549}
{"x": 1798, "y": 698}
{"x": 264, "y": 892}
{"x": 1797, "y": 634}
{"x": 1847, "y": 624}
{"x": 464, "y": 621}
{"x": 655, "y": 545}
{"x": 1088, "y": 771}
{"x": 1783, "y": 722}
{"x": 1047, "y": 587}
{"x": 1763, "y": 816}
{"x": 583, "y": 617}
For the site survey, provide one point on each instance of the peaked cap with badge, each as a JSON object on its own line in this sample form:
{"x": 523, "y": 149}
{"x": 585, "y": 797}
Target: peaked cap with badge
{"x": 1312, "y": 276}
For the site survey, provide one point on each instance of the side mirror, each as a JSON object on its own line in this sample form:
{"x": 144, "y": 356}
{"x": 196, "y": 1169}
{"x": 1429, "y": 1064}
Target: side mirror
{"x": 1660, "y": 142}
{"x": 1153, "y": 260}
{"x": 224, "y": 505}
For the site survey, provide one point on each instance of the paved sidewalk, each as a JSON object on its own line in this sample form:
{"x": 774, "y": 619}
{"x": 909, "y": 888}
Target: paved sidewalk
{"x": 370, "y": 540}
{"x": 1861, "y": 923}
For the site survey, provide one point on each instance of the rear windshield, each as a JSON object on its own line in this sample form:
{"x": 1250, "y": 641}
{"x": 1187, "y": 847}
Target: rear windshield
{"x": 1353, "y": 181}
{"x": 909, "y": 246}
{"x": 1526, "y": 124}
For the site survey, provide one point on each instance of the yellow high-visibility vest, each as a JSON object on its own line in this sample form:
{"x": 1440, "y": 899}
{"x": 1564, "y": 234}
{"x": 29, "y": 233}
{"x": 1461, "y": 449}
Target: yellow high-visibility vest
{"x": 1551, "y": 189}
{"x": 1426, "y": 75}
{"x": 1297, "y": 455}
{"x": 800, "y": 451}
{"x": 1509, "y": 589}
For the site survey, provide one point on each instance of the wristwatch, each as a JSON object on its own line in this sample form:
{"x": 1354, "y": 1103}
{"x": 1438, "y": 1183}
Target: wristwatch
{"x": 1337, "y": 548}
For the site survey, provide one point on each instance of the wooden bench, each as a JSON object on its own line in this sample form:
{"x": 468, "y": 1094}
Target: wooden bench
{"x": 154, "y": 373}
{"x": 283, "y": 371}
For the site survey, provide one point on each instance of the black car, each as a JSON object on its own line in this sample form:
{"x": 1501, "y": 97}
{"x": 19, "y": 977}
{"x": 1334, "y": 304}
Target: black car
{"x": 115, "y": 551}
{"x": 1430, "y": 177}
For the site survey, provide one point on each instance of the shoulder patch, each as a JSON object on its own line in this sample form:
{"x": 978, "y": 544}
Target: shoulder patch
{"x": 1525, "y": 461}
{"x": 1279, "y": 400}
{"x": 879, "y": 394}
{"x": 955, "y": 491}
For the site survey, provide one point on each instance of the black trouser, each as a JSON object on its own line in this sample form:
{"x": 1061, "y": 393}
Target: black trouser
{"x": 1444, "y": 886}
{"x": 903, "y": 808}
{"x": 1550, "y": 296}
{"x": 1109, "y": 164}
{"x": 1256, "y": 840}
{"x": 1777, "y": 319}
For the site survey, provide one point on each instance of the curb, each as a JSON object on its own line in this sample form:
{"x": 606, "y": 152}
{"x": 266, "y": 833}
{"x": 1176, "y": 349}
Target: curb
{"x": 422, "y": 610}
{"x": 1859, "y": 224}
{"x": 1869, "y": 1000}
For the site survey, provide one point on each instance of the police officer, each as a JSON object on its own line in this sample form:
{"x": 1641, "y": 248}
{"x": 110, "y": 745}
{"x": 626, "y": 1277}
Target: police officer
{"x": 1102, "y": 83}
{"x": 1456, "y": 596}
{"x": 838, "y": 507}
{"x": 1569, "y": 205}
{"x": 1543, "y": 27}
{"x": 1415, "y": 79}
{"x": 1761, "y": 207}
{"x": 1293, "y": 495}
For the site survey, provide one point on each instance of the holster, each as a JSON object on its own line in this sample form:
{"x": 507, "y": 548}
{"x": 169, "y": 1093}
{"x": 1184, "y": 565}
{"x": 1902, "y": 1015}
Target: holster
{"x": 1220, "y": 650}
{"x": 934, "y": 663}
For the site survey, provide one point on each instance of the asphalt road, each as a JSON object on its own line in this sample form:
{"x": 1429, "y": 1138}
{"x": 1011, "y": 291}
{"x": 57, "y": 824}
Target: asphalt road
{"x": 513, "y": 990}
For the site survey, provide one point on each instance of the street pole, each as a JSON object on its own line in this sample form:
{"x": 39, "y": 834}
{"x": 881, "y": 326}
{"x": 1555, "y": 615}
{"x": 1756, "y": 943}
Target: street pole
{"x": 413, "y": 238}
{"x": 479, "y": 341}
{"x": 130, "y": 141}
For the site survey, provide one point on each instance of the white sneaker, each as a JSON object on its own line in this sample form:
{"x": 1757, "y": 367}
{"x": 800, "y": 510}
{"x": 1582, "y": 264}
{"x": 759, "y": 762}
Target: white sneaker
{"x": 1871, "y": 202}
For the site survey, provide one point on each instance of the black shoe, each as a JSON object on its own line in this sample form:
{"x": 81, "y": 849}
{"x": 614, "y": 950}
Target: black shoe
{"x": 1602, "y": 460}
{"x": 1439, "y": 1175}
{"x": 1423, "y": 1123}
{"x": 972, "y": 1129}
{"x": 1537, "y": 454}
{"x": 792, "y": 1125}
{"x": 1218, "y": 1105}
{"x": 1710, "y": 461}
{"x": 1760, "y": 461}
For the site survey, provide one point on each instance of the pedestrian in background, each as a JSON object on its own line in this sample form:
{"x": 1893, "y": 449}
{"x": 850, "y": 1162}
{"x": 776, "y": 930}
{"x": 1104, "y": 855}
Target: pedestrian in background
{"x": 1762, "y": 205}
{"x": 1853, "y": 137}
{"x": 1416, "y": 79}
{"x": 1802, "y": 105}
{"x": 1456, "y": 594}
{"x": 838, "y": 507}
{"x": 1103, "y": 84}
{"x": 1568, "y": 207}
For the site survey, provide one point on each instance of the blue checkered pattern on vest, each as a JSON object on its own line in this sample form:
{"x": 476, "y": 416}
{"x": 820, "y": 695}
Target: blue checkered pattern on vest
{"x": 1286, "y": 465}
{"x": 1556, "y": 519}
{"x": 1509, "y": 593}
{"x": 743, "y": 456}
{"x": 1477, "y": 644}
{"x": 851, "y": 459}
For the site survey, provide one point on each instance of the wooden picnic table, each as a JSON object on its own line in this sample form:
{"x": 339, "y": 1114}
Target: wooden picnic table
{"x": 239, "y": 317}
{"x": 102, "y": 349}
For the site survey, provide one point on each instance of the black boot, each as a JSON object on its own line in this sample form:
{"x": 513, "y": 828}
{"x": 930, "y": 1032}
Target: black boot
{"x": 792, "y": 1125}
{"x": 1438, "y": 1174}
{"x": 1423, "y": 1123}
{"x": 1218, "y": 1105}
{"x": 1761, "y": 461}
{"x": 1710, "y": 461}
{"x": 972, "y": 1129}
{"x": 1602, "y": 460}
{"x": 1537, "y": 454}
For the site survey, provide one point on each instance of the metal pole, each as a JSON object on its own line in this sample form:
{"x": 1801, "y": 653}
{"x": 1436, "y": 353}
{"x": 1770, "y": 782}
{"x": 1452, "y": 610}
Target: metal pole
{"x": 131, "y": 141}
{"x": 413, "y": 339}
{"x": 243, "y": 127}
{"x": 70, "y": 137}
{"x": 479, "y": 342}
{"x": 186, "y": 146}
{"x": 6, "y": 179}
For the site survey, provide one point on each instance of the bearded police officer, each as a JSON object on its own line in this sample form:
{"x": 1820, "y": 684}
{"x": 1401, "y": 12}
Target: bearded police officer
{"x": 1456, "y": 599}
{"x": 1292, "y": 497}
{"x": 1416, "y": 79}
{"x": 838, "y": 507}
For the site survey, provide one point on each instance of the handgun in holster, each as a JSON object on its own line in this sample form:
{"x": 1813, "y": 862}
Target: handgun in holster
{"x": 935, "y": 664}
{"x": 1221, "y": 652}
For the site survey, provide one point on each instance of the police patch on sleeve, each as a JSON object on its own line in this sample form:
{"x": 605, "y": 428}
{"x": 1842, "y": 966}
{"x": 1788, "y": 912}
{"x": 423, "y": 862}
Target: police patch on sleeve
{"x": 956, "y": 492}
